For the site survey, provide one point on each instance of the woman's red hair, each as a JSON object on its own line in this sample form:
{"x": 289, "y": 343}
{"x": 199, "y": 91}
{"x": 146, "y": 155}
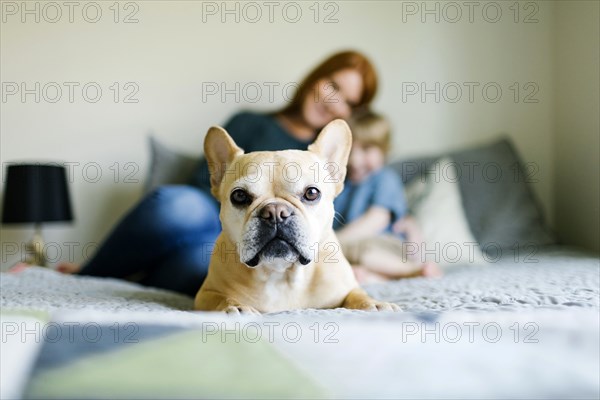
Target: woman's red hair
{"x": 337, "y": 62}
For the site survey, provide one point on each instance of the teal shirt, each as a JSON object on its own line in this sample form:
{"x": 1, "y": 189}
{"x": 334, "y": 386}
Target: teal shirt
{"x": 252, "y": 132}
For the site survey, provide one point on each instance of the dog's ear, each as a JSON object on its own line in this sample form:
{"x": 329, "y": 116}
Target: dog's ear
{"x": 333, "y": 144}
{"x": 219, "y": 150}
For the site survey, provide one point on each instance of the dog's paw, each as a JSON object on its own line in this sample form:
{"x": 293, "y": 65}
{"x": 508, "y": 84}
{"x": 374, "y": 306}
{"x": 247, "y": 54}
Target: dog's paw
{"x": 240, "y": 309}
{"x": 380, "y": 306}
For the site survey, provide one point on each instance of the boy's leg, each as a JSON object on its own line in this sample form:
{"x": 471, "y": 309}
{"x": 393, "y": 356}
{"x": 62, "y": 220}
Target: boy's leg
{"x": 364, "y": 275}
{"x": 385, "y": 254}
{"x": 382, "y": 254}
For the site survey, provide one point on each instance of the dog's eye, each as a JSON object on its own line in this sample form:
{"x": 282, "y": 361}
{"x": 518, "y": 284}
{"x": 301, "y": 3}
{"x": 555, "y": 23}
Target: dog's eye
{"x": 240, "y": 197}
{"x": 311, "y": 194}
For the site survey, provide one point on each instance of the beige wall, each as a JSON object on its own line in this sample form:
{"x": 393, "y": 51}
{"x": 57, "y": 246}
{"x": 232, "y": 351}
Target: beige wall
{"x": 577, "y": 138}
{"x": 178, "y": 49}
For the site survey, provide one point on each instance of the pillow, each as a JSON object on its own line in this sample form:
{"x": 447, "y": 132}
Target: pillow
{"x": 414, "y": 168}
{"x": 435, "y": 202}
{"x": 168, "y": 166}
{"x": 500, "y": 207}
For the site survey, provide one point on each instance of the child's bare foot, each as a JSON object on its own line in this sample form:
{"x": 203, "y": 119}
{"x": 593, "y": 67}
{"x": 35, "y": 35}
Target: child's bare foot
{"x": 431, "y": 270}
{"x": 68, "y": 268}
{"x": 363, "y": 275}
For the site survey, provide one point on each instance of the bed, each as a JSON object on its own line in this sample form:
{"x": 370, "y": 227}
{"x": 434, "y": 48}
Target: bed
{"x": 518, "y": 319}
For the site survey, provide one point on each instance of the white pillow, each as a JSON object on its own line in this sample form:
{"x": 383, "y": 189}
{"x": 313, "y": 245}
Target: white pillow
{"x": 436, "y": 204}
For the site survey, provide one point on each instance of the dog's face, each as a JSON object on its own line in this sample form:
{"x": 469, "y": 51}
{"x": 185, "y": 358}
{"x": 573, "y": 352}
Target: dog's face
{"x": 277, "y": 206}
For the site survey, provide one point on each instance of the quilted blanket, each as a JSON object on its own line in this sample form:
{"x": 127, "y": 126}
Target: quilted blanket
{"x": 516, "y": 328}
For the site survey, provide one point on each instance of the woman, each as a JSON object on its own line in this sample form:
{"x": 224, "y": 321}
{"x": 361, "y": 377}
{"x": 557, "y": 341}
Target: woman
{"x": 166, "y": 240}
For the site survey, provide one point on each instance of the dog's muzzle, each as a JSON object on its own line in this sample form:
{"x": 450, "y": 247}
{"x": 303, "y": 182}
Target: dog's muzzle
{"x": 274, "y": 233}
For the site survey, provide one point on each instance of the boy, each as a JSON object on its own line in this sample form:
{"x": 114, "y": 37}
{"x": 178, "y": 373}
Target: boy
{"x": 371, "y": 208}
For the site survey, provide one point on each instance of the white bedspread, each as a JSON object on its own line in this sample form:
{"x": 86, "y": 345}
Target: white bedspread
{"x": 507, "y": 330}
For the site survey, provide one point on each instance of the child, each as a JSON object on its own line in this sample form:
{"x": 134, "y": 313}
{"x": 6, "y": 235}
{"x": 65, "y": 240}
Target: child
{"x": 370, "y": 204}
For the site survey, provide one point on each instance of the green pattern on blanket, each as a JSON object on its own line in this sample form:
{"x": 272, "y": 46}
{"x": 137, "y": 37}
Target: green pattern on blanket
{"x": 184, "y": 364}
{"x": 41, "y": 315}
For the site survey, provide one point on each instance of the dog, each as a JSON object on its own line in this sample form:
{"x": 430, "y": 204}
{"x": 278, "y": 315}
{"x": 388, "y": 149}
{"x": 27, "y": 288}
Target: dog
{"x": 277, "y": 250}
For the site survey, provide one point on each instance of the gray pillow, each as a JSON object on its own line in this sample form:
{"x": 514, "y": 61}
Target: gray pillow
{"x": 500, "y": 207}
{"x": 168, "y": 166}
{"x": 415, "y": 168}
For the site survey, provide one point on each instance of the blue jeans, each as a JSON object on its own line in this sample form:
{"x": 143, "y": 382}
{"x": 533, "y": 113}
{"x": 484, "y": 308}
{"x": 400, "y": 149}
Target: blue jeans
{"x": 167, "y": 238}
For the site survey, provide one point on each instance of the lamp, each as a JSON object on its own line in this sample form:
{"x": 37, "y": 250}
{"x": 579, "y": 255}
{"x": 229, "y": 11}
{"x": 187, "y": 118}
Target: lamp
{"x": 36, "y": 193}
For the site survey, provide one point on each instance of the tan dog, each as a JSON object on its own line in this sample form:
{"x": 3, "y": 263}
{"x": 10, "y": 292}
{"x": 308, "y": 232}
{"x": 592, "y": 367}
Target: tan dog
{"x": 277, "y": 250}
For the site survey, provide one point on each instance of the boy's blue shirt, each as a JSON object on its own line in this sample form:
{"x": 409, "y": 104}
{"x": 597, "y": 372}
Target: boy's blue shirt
{"x": 383, "y": 188}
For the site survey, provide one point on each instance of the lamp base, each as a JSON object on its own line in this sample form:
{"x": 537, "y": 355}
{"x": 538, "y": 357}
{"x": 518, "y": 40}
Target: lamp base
{"x": 35, "y": 249}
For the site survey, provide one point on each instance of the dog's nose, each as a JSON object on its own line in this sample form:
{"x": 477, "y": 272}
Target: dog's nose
{"x": 275, "y": 212}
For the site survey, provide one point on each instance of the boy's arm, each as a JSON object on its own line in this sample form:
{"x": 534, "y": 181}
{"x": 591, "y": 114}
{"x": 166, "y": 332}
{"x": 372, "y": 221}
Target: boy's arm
{"x": 409, "y": 226}
{"x": 387, "y": 205}
{"x": 371, "y": 223}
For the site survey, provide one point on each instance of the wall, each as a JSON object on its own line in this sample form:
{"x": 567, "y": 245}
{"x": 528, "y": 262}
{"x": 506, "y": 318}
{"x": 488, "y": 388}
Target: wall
{"x": 177, "y": 50}
{"x": 577, "y": 139}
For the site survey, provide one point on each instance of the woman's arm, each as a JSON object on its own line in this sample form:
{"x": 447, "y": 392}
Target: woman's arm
{"x": 374, "y": 221}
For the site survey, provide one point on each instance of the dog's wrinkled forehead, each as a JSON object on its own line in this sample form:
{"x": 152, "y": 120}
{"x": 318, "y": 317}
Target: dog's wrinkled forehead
{"x": 277, "y": 173}
{"x": 324, "y": 159}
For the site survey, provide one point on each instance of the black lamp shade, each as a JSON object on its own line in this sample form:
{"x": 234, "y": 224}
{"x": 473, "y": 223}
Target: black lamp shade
{"x": 36, "y": 193}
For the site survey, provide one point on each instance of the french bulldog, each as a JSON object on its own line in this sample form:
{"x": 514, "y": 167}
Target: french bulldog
{"x": 277, "y": 250}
